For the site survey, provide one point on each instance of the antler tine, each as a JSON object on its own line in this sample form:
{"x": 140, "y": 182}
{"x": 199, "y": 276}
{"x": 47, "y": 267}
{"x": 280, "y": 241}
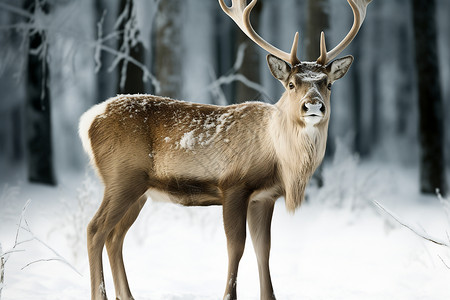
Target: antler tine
{"x": 239, "y": 12}
{"x": 359, "y": 8}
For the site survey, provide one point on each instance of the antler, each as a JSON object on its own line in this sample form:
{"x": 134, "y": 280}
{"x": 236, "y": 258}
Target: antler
{"x": 359, "y": 12}
{"x": 240, "y": 13}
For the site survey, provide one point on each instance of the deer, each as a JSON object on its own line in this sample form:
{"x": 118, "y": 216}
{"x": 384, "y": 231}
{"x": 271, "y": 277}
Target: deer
{"x": 243, "y": 156}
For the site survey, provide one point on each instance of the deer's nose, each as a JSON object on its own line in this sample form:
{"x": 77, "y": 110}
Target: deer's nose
{"x": 313, "y": 108}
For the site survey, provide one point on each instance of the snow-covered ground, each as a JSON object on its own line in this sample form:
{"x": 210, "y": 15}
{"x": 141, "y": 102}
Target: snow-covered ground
{"x": 337, "y": 245}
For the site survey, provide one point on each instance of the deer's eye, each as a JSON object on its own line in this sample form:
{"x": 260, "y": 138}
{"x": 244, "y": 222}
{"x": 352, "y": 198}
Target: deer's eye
{"x": 329, "y": 86}
{"x": 291, "y": 85}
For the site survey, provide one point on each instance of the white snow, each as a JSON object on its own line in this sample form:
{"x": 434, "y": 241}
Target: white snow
{"x": 311, "y": 77}
{"x": 204, "y": 134}
{"x": 188, "y": 140}
{"x": 223, "y": 119}
{"x": 337, "y": 245}
{"x": 102, "y": 288}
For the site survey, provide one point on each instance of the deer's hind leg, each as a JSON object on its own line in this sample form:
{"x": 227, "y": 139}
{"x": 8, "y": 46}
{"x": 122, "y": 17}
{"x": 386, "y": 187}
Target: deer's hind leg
{"x": 120, "y": 196}
{"x": 114, "y": 246}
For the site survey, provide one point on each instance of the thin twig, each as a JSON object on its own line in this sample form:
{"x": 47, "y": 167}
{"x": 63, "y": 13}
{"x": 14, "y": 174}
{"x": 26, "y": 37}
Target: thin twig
{"x": 2, "y": 270}
{"x": 124, "y": 56}
{"x": 58, "y": 256}
{"x": 222, "y": 80}
{"x": 422, "y": 235}
{"x": 22, "y": 215}
{"x": 231, "y": 76}
{"x": 445, "y": 264}
{"x": 4, "y": 254}
{"x": 216, "y": 90}
{"x": 97, "y": 45}
{"x": 16, "y": 10}
{"x": 51, "y": 259}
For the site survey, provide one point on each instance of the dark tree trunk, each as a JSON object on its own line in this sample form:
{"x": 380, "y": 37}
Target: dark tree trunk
{"x": 375, "y": 107}
{"x": 168, "y": 50}
{"x": 376, "y": 101}
{"x": 405, "y": 87}
{"x": 134, "y": 82}
{"x": 16, "y": 126}
{"x": 356, "y": 108}
{"x": 39, "y": 136}
{"x": 105, "y": 87}
{"x": 404, "y": 58}
{"x": 250, "y": 66}
{"x": 317, "y": 22}
{"x": 431, "y": 129}
{"x": 224, "y": 40}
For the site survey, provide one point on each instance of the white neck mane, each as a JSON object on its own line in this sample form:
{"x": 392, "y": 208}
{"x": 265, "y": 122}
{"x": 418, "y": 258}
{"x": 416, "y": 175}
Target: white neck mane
{"x": 300, "y": 150}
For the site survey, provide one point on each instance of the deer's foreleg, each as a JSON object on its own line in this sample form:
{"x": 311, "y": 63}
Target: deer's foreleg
{"x": 259, "y": 220}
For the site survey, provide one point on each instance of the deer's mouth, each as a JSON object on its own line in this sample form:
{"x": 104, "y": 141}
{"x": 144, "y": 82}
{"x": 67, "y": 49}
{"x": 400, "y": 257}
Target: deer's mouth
{"x": 312, "y": 119}
{"x": 313, "y": 115}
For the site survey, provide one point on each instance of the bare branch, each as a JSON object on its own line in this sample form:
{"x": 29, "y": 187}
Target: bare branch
{"x": 232, "y": 76}
{"x": 415, "y": 231}
{"x": 22, "y": 216}
{"x": 216, "y": 90}
{"x": 62, "y": 260}
{"x": 6, "y": 253}
{"x": 239, "y": 57}
{"x": 58, "y": 256}
{"x": 123, "y": 55}
{"x": 24, "y": 242}
{"x": 97, "y": 53}
{"x": 2, "y": 269}
{"x": 16, "y": 10}
{"x": 445, "y": 264}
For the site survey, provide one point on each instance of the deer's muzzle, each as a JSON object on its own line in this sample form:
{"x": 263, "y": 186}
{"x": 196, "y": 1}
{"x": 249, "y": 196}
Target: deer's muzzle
{"x": 313, "y": 108}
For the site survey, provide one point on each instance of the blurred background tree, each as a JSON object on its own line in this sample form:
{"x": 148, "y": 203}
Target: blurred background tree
{"x": 431, "y": 107}
{"x": 37, "y": 113}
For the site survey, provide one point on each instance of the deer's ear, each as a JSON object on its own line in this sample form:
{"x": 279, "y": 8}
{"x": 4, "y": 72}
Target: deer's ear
{"x": 278, "y": 67}
{"x": 339, "y": 67}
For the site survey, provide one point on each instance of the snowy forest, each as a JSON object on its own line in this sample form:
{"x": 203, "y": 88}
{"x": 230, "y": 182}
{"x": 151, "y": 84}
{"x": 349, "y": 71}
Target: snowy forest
{"x": 376, "y": 220}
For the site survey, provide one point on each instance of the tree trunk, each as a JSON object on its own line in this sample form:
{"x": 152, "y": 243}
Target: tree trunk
{"x": 404, "y": 58}
{"x": 317, "y": 22}
{"x": 375, "y": 105}
{"x": 250, "y": 66}
{"x": 405, "y": 87}
{"x": 224, "y": 48}
{"x": 16, "y": 126}
{"x": 168, "y": 50}
{"x": 39, "y": 136}
{"x": 356, "y": 108}
{"x": 130, "y": 76}
{"x": 105, "y": 80}
{"x": 375, "y": 88}
{"x": 431, "y": 129}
